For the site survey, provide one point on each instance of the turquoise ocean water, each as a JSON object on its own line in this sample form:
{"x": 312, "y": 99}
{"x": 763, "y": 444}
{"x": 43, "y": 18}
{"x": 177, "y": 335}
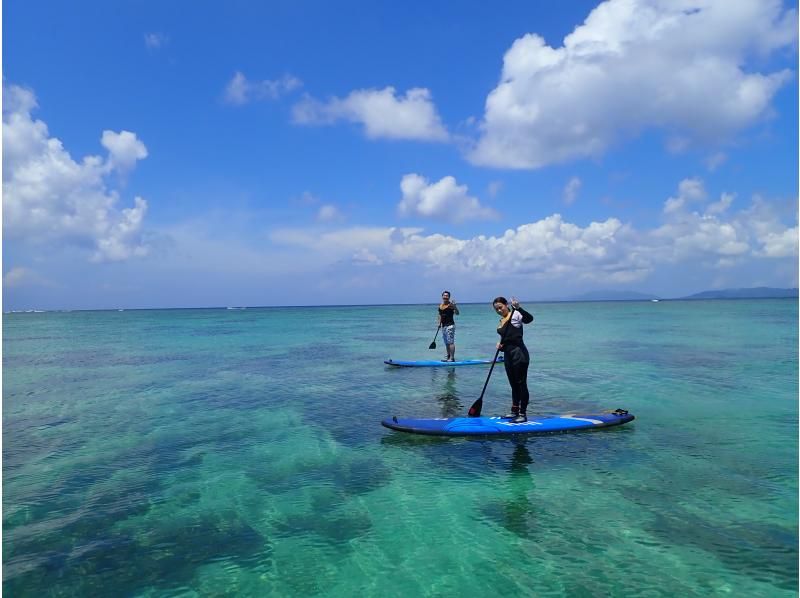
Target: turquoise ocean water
{"x": 240, "y": 453}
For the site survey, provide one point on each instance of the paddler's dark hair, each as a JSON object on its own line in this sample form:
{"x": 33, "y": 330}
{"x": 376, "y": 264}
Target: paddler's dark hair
{"x": 502, "y": 300}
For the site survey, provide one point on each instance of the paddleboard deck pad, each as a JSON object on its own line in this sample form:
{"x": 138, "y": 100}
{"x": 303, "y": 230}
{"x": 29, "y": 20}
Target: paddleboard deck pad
{"x": 479, "y": 426}
{"x": 439, "y": 364}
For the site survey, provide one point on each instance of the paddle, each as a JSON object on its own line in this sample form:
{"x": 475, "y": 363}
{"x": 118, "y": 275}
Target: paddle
{"x": 475, "y": 410}
{"x": 433, "y": 344}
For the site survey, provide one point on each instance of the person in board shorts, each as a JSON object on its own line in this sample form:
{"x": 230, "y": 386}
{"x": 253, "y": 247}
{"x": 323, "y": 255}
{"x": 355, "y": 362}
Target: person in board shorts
{"x": 516, "y": 356}
{"x": 448, "y": 309}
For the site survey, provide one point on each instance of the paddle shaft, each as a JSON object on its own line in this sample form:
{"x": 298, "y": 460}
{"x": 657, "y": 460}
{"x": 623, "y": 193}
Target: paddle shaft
{"x": 485, "y": 384}
{"x": 475, "y": 410}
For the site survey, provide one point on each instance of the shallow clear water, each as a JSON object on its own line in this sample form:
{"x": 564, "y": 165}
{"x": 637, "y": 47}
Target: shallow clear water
{"x": 239, "y": 452}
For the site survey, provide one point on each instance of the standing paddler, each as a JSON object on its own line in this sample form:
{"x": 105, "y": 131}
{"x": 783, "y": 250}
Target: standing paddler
{"x": 447, "y": 310}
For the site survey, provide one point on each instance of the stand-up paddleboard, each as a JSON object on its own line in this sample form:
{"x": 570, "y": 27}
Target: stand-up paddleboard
{"x": 438, "y": 364}
{"x": 478, "y": 426}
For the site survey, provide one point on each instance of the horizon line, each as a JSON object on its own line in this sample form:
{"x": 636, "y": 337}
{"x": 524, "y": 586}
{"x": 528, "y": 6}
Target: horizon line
{"x": 646, "y": 299}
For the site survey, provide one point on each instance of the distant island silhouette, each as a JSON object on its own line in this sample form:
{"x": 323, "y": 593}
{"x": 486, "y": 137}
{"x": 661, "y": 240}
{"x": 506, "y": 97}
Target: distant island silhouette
{"x": 748, "y": 293}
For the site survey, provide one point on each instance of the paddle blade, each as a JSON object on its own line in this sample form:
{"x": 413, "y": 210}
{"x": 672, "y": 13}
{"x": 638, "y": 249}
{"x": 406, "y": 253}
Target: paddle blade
{"x": 475, "y": 410}
{"x": 433, "y": 344}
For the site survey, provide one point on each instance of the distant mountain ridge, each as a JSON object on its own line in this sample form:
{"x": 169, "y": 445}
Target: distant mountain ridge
{"x": 752, "y": 293}
{"x": 748, "y": 293}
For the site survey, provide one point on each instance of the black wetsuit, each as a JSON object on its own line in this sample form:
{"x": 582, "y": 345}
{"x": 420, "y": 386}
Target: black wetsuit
{"x": 516, "y": 361}
{"x": 446, "y": 315}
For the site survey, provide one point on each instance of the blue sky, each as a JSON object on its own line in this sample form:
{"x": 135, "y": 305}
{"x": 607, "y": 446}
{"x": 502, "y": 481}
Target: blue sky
{"x": 185, "y": 154}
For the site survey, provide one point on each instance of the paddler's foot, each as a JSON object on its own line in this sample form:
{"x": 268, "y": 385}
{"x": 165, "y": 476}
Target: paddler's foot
{"x": 521, "y": 418}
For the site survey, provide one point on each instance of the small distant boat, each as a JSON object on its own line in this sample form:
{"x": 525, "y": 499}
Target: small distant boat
{"x": 235, "y": 308}
{"x": 654, "y": 300}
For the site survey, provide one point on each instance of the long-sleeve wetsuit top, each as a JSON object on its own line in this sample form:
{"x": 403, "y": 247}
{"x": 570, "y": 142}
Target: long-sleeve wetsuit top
{"x": 446, "y": 313}
{"x": 510, "y": 329}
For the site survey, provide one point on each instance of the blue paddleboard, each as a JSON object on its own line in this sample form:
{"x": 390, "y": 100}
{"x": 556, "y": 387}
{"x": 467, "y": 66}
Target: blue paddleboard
{"x": 478, "y": 426}
{"x": 438, "y": 364}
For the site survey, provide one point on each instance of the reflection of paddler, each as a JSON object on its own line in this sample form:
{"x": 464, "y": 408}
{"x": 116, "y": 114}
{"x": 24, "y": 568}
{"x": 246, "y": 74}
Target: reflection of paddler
{"x": 448, "y": 400}
{"x": 516, "y": 354}
{"x": 521, "y": 459}
{"x": 448, "y": 309}
{"x": 518, "y": 513}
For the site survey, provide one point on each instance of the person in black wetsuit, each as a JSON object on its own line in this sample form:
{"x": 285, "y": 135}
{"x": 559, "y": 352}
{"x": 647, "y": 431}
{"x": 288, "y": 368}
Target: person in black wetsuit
{"x": 516, "y": 357}
{"x": 447, "y": 310}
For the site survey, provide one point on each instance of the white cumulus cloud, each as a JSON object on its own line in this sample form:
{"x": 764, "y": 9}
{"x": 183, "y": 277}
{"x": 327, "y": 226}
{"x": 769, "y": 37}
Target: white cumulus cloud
{"x": 675, "y": 65}
{"x": 689, "y": 190}
{"x": 443, "y": 200}
{"x": 240, "y": 90}
{"x": 50, "y": 198}
{"x": 124, "y": 150}
{"x": 722, "y": 205}
{"x": 328, "y": 213}
{"x": 716, "y": 160}
{"x": 154, "y": 41}
{"x": 571, "y": 190}
{"x": 552, "y": 248}
{"x": 383, "y": 114}
{"x": 779, "y": 243}
{"x": 714, "y": 234}
{"x": 773, "y": 239}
